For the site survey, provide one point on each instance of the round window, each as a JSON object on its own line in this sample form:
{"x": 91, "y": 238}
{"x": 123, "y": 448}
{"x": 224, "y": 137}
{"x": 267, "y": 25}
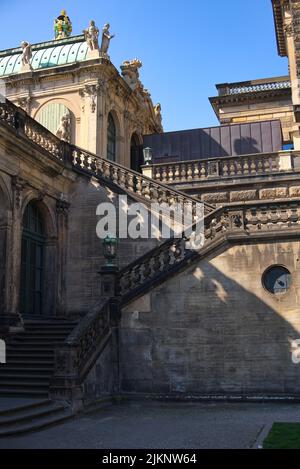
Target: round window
{"x": 277, "y": 280}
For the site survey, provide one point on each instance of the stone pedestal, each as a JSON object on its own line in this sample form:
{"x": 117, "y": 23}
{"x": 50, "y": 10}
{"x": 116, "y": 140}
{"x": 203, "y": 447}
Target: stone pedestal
{"x": 108, "y": 280}
{"x": 93, "y": 54}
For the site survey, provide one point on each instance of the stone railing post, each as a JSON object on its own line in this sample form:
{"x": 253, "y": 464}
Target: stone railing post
{"x": 109, "y": 277}
{"x": 147, "y": 171}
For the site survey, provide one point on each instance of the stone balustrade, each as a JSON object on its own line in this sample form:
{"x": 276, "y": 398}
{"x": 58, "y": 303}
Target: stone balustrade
{"x": 231, "y": 167}
{"x": 75, "y": 357}
{"x": 231, "y": 220}
{"x": 17, "y": 118}
{"x": 134, "y": 183}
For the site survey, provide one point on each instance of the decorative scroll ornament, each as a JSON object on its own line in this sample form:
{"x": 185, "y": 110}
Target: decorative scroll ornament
{"x": 62, "y": 26}
{"x": 130, "y": 72}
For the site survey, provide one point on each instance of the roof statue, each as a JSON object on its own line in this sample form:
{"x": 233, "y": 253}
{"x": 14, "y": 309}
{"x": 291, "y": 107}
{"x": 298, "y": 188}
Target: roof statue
{"x": 62, "y": 26}
{"x": 91, "y": 36}
{"x": 106, "y": 38}
{"x": 26, "y": 56}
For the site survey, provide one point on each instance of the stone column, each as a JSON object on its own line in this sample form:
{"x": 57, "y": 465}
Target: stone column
{"x": 109, "y": 290}
{"x": 13, "y": 259}
{"x": 62, "y": 210}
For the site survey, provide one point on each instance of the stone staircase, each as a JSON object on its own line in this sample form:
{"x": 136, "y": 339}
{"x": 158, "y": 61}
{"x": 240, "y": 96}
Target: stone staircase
{"x": 30, "y": 358}
{"x": 19, "y": 416}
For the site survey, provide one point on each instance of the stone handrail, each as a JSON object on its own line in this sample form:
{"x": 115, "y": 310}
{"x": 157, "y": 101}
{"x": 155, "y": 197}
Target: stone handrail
{"x": 236, "y": 166}
{"x": 18, "y": 119}
{"x": 76, "y": 356}
{"x": 135, "y": 184}
{"x": 237, "y": 220}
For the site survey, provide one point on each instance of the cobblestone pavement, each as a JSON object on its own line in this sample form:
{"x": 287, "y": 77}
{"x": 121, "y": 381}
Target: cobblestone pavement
{"x": 161, "y": 425}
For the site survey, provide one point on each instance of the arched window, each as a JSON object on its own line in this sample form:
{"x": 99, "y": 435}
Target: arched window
{"x": 111, "y": 138}
{"x": 32, "y": 261}
{"x": 51, "y": 115}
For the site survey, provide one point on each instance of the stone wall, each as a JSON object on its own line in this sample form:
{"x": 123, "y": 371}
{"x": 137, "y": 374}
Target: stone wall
{"x": 214, "y": 329}
{"x": 85, "y": 251}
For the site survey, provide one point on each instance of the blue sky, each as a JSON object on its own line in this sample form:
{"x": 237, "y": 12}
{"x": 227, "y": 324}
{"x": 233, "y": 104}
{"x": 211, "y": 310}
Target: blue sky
{"x": 186, "y": 46}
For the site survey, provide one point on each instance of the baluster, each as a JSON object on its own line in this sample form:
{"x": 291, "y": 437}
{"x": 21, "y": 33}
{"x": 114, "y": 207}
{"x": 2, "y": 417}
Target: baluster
{"x": 196, "y": 170}
{"x": 267, "y": 168}
{"x": 183, "y": 172}
{"x": 246, "y": 166}
{"x": 232, "y": 168}
{"x": 239, "y": 170}
{"x": 203, "y": 171}
{"x": 225, "y": 169}
{"x": 164, "y": 174}
{"x": 146, "y": 189}
{"x": 139, "y": 185}
{"x": 122, "y": 178}
{"x": 253, "y": 166}
{"x": 170, "y": 173}
{"x": 259, "y": 166}
{"x": 130, "y": 182}
{"x": 189, "y": 172}
{"x": 177, "y": 172}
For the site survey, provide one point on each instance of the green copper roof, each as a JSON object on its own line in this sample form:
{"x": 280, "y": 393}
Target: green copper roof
{"x": 45, "y": 55}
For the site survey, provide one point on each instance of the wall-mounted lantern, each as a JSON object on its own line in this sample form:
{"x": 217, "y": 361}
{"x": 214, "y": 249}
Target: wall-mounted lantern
{"x": 110, "y": 248}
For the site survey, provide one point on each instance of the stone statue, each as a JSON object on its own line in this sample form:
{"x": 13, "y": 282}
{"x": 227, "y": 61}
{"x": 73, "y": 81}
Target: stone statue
{"x": 26, "y": 56}
{"x": 62, "y": 26}
{"x": 91, "y": 36}
{"x": 64, "y": 129}
{"x": 130, "y": 72}
{"x": 158, "y": 116}
{"x": 106, "y": 38}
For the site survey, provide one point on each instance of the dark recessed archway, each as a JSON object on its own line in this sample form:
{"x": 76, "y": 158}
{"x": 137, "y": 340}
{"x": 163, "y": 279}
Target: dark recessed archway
{"x": 33, "y": 261}
{"x": 135, "y": 154}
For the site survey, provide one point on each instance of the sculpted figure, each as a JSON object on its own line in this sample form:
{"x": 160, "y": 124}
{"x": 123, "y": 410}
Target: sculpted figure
{"x": 26, "y": 54}
{"x": 62, "y": 26}
{"x": 157, "y": 112}
{"x": 64, "y": 129}
{"x": 106, "y": 38}
{"x": 91, "y": 36}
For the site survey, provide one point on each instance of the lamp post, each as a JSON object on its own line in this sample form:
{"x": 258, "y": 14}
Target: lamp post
{"x": 148, "y": 155}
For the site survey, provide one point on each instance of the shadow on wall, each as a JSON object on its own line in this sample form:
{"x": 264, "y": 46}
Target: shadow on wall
{"x": 216, "y": 142}
{"x": 207, "y": 334}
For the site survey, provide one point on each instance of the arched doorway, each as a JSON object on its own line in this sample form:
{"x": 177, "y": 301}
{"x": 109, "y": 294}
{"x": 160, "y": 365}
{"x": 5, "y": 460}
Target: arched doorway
{"x": 111, "y": 138}
{"x": 135, "y": 154}
{"x": 32, "y": 261}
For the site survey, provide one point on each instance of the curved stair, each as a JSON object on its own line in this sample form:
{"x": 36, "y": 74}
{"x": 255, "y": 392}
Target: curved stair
{"x": 19, "y": 416}
{"x": 30, "y": 358}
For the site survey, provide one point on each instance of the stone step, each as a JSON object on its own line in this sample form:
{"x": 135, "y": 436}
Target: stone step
{"x": 12, "y": 391}
{"x": 25, "y": 375}
{"x": 38, "y": 422}
{"x": 27, "y": 368}
{"x": 27, "y": 413}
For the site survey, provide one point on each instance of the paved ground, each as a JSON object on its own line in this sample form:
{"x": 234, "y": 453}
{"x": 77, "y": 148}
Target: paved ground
{"x": 163, "y": 426}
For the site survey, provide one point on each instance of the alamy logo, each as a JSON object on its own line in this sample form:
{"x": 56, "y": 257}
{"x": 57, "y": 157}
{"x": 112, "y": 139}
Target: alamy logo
{"x": 2, "y": 352}
{"x": 161, "y": 221}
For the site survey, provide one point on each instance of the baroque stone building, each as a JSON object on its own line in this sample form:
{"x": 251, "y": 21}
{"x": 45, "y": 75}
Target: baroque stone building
{"x": 169, "y": 321}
